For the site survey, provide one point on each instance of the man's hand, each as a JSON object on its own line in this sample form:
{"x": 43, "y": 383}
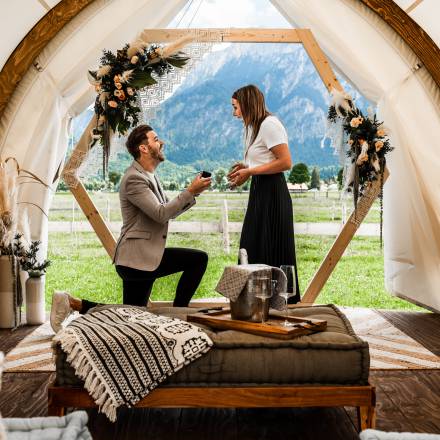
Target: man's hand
{"x": 199, "y": 184}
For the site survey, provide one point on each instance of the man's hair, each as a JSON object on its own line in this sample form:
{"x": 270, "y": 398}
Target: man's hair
{"x": 253, "y": 108}
{"x": 137, "y": 137}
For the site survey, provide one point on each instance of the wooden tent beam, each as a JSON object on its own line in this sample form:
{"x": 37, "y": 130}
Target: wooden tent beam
{"x": 410, "y": 32}
{"x": 232, "y": 35}
{"x": 24, "y": 55}
{"x": 70, "y": 176}
{"x": 319, "y": 59}
{"x": 342, "y": 241}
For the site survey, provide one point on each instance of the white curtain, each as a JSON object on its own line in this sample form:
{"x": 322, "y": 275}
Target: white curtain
{"x": 34, "y": 127}
{"x": 359, "y": 44}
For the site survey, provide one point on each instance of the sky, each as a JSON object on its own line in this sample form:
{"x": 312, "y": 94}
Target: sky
{"x": 229, "y": 13}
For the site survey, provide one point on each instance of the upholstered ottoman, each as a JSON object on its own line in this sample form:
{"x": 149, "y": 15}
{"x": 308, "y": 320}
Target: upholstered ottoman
{"x": 328, "y": 368}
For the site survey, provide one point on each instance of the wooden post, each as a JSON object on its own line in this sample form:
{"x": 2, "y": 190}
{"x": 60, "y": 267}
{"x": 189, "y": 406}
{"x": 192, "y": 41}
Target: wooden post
{"x": 319, "y": 59}
{"x": 225, "y": 227}
{"x": 95, "y": 218}
{"x": 72, "y": 224}
{"x": 79, "y": 155}
{"x": 108, "y": 208}
{"x": 342, "y": 241}
{"x": 344, "y": 212}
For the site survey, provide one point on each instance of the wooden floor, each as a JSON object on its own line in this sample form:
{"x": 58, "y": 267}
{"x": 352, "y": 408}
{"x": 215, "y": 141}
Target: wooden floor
{"x": 406, "y": 401}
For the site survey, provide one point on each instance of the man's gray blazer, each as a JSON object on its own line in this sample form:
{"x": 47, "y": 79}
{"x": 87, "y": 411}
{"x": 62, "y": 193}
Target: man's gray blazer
{"x": 145, "y": 215}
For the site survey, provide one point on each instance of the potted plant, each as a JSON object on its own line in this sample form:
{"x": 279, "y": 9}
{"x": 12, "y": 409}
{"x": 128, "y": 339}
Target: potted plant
{"x": 35, "y": 297}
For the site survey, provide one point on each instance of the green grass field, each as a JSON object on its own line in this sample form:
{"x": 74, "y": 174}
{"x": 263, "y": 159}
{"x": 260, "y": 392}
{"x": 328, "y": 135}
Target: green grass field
{"x": 81, "y": 266}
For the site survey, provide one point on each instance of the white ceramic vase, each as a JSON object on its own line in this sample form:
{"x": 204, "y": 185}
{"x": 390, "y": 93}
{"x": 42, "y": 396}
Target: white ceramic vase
{"x": 7, "y": 309}
{"x": 35, "y": 300}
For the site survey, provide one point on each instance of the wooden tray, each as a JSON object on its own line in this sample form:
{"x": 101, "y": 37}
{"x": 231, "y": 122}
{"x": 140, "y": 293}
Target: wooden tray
{"x": 273, "y": 327}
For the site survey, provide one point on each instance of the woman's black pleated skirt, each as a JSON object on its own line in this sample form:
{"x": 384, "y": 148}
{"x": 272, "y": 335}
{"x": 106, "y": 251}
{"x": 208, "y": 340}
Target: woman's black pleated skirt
{"x": 267, "y": 233}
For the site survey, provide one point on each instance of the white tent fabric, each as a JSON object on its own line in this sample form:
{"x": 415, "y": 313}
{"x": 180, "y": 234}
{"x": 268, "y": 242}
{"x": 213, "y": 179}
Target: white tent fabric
{"x": 380, "y": 65}
{"x": 359, "y": 44}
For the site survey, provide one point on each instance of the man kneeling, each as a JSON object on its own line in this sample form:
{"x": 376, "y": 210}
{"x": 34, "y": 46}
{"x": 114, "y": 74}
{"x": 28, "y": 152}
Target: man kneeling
{"x": 141, "y": 256}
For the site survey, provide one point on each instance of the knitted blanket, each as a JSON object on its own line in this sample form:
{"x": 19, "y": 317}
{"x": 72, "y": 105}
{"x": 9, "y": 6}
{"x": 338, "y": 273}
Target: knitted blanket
{"x": 124, "y": 353}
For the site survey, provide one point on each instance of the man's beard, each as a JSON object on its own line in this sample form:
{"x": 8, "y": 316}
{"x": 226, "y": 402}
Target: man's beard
{"x": 157, "y": 155}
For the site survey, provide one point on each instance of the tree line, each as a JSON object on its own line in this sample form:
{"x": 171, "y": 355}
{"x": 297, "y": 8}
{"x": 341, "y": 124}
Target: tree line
{"x": 300, "y": 173}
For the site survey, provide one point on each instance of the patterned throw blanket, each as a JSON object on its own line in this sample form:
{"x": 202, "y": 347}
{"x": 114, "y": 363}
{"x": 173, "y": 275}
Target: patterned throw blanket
{"x": 124, "y": 353}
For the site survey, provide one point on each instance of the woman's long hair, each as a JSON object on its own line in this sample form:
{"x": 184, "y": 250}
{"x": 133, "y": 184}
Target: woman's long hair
{"x": 253, "y": 108}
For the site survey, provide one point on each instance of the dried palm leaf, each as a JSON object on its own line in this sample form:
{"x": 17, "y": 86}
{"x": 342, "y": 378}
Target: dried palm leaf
{"x": 136, "y": 46}
{"x": 175, "y": 47}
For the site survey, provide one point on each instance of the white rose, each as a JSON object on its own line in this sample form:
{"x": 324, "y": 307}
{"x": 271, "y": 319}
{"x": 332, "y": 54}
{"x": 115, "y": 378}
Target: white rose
{"x": 103, "y": 70}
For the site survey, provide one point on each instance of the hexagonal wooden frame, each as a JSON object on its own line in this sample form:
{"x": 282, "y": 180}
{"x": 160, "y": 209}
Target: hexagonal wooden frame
{"x": 317, "y": 56}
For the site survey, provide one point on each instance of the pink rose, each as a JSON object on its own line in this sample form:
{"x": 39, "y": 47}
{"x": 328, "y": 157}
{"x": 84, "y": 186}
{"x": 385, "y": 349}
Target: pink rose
{"x": 113, "y": 104}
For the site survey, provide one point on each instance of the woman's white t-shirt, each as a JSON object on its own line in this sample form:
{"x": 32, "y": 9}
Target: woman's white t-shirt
{"x": 271, "y": 134}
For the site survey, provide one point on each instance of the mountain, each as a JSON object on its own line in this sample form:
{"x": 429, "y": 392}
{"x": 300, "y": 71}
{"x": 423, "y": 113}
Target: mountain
{"x": 196, "y": 121}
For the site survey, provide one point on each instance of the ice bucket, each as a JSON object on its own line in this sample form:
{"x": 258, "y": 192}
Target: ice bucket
{"x": 248, "y": 307}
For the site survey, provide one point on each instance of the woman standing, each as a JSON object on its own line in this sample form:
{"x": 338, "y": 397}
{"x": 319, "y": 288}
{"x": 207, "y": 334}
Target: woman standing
{"x": 267, "y": 233}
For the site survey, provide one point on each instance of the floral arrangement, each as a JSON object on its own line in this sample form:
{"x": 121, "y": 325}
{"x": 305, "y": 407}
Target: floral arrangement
{"x": 367, "y": 145}
{"x": 119, "y": 78}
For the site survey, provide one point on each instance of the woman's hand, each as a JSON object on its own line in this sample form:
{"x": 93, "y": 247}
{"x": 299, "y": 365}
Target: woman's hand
{"x": 235, "y": 167}
{"x": 239, "y": 176}
{"x": 199, "y": 184}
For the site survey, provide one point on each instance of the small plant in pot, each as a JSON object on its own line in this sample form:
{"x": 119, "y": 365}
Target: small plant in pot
{"x": 29, "y": 260}
{"x": 35, "y": 292}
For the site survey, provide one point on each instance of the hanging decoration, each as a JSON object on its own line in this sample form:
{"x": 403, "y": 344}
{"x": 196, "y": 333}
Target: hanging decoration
{"x": 366, "y": 146}
{"x": 118, "y": 81}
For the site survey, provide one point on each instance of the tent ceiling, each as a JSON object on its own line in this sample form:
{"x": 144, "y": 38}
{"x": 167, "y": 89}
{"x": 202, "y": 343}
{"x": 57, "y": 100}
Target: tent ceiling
{"x": 21, "y": 15}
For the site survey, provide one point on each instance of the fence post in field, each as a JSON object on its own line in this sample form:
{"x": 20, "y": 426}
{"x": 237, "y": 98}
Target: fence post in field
{"x": 108, "y": 208}
{"x": 225, "y": 227}
{"x": 333, "y": 211}
{"x": 73, "y": 216}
